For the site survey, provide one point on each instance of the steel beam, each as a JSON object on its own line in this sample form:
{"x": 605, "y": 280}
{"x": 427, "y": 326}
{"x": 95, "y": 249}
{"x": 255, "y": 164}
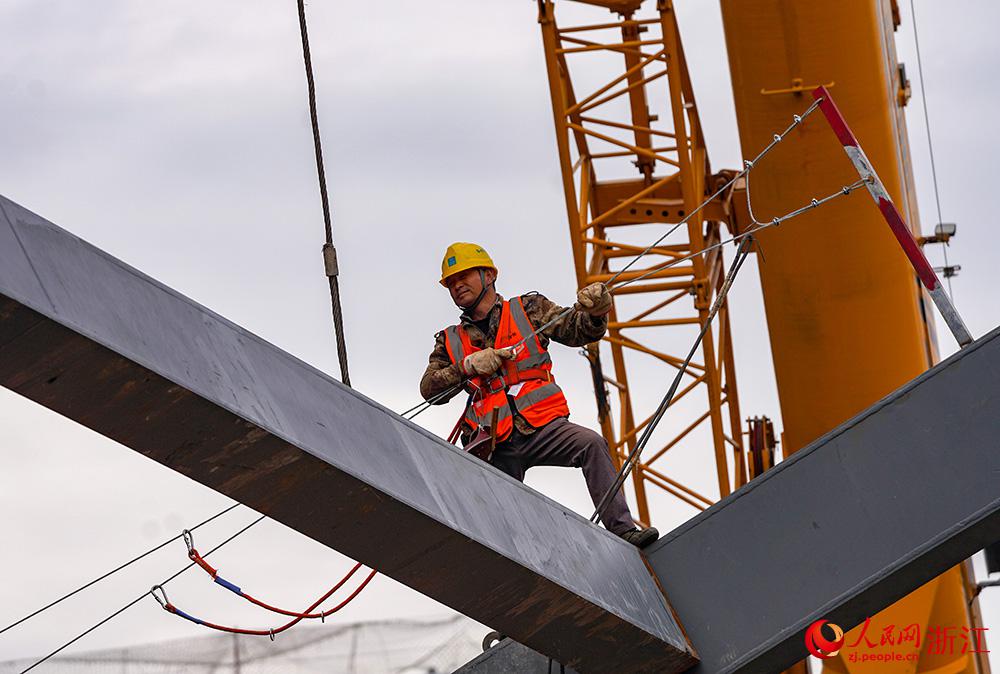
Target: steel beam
{"x": 101, "y": 343}
{"x": 509, "y": 656}
{"x": 845, "y": 527}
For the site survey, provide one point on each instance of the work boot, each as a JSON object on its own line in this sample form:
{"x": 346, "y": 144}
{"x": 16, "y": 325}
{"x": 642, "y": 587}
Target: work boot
{"x": 640, "y": 538}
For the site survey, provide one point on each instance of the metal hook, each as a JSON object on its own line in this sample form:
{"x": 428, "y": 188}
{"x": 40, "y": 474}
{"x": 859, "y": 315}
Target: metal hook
{"x": 270, "y": 633}
{"x": 188, "y": 540}
{"x": 164, "y": 602}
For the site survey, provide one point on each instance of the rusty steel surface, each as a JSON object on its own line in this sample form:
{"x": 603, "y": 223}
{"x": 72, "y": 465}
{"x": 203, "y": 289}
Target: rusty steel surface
{"x": 101, "y": 343}
{"x": 842, "y": 529}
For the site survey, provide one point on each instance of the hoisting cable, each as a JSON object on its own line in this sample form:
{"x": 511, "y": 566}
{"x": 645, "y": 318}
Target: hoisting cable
{"x": 754, "y": 227}
{"x": 748, "y": 165}
{"x": 329, "y": 251}
{"x": 741, "y": 255}
{"x": 195, "y": 557}
{"x": 930, "y": 145}
{"x": 136, "y": 600}
{"x": 115, "y": 570}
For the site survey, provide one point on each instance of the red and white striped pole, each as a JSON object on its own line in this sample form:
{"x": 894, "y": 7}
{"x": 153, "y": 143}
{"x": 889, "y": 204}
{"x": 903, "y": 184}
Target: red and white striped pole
{"x": 892, "y": 216}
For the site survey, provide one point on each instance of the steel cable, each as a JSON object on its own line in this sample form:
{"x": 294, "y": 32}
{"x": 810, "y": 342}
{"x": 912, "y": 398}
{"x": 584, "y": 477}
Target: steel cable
{"x": 116, "y": 569}
{"x": 741, "y": 255}
{"x": 136, "y": 600}
{"x": 329, "y": 251}
{"x": 744, "y": 238}
{"x": 930, "y": 144}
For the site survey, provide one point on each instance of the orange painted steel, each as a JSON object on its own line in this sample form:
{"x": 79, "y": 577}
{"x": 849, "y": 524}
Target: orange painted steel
{"x": 611, "y": 203}
{"x": 848, "y": 322}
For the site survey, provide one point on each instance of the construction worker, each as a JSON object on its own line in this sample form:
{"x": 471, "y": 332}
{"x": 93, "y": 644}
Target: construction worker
{"x": 507, "y": 372}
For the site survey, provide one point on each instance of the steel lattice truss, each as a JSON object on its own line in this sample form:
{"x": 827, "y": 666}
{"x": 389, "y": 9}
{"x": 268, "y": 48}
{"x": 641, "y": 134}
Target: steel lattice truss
{"x": 599, "y": 130}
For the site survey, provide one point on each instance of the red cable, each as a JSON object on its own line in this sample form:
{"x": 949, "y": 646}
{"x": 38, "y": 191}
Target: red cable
{"x": 197, "y": 559}
{"x": 278, "y": 630}
{"x": 210, "y": 570}
{"x": 320, "y": 615}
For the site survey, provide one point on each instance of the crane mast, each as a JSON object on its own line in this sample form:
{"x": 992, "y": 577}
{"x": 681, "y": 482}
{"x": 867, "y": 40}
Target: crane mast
{"x": 848, "y": 322}
{"x": 847, "y": 319}
{"x": 627, "y": 175}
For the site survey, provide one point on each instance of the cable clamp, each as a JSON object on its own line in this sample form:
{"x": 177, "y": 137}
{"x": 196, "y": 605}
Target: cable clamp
{"x": 777, "y": 138}
{"x": 164, "y": 602}
{"x": 330, "y": 260}
{"x": 776, "y": 221}
{"x": 747, "y": 164}
{"x": 814, "y": 202}
{"x": 797, "y": 119}
{"x": 846, "y": 190}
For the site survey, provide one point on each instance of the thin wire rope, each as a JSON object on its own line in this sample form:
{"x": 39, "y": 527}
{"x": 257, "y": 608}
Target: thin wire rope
{"x": 744, "y": 238}
{"x": 425, "y": 404}
{"x": 633, "y": 457}
{"x": 930, "y": 144}
{"x": 116, "y": 570}
{"x": 755, "y": 226}
{"x": 747, "y": 166}
{"x": 338, "y": 316}
{"x": 136, "y": 600}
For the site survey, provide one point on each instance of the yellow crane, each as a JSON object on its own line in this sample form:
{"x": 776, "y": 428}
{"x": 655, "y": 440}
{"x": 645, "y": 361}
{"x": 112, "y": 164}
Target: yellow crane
{"x": 848, "y": 322}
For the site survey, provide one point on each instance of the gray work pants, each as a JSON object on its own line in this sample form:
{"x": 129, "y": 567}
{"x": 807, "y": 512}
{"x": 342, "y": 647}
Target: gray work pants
{"x": 563, "y": 443}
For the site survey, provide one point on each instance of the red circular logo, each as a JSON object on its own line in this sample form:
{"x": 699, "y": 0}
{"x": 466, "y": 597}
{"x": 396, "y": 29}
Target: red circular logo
{"x": 819, "y": 645}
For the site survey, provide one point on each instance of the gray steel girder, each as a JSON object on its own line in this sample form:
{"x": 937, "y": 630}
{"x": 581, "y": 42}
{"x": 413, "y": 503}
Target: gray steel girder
{"x": 509, "y": 656}
{"x": 101, "y": 343}
{"x": 858, "y": 519}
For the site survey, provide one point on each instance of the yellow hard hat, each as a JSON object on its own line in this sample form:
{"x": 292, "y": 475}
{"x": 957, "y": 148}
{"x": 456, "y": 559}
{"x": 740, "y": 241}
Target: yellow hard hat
{"x": 461, "y": 256}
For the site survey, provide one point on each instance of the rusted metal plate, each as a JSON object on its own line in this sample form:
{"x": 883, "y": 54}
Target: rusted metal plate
{"x": 101, "y": 343}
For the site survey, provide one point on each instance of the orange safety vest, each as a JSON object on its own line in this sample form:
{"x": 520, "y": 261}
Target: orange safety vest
{"x": 525, "y": 381}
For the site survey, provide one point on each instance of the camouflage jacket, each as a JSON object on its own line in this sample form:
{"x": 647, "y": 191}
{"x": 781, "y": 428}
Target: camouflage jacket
{"x": 576, "y": 329}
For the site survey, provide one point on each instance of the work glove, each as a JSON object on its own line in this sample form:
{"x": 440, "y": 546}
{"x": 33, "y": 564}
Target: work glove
{"x": 485, "y": 362}
{"x": 595, "y": 299}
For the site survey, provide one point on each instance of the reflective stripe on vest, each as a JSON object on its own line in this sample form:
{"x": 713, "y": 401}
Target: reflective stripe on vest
{"x": 537, "y": 398}
{"x": 537, "y": 355}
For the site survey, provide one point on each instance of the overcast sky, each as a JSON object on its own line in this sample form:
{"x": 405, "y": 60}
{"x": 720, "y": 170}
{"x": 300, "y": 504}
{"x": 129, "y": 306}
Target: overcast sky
{"x": 175, "y": 135}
